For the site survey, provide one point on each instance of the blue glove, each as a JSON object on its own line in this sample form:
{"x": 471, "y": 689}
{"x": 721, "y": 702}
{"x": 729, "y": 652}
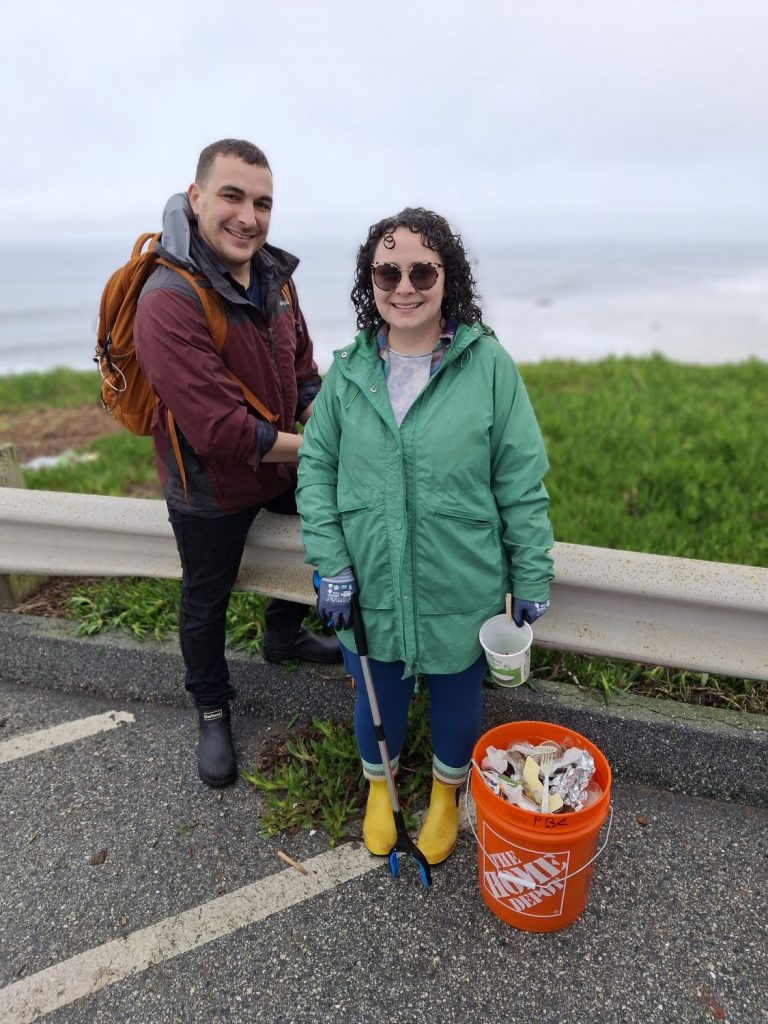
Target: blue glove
{"x": 527, "y": 611}
{"x": 334, "y": 598}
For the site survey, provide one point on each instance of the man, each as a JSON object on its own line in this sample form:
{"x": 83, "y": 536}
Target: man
{"x": 234, "y": 462}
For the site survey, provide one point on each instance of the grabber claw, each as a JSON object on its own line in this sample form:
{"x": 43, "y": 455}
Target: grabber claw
{"x": 404, "y": 844}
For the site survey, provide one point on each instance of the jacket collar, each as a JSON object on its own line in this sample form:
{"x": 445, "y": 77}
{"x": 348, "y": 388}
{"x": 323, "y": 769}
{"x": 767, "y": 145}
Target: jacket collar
{"x": 361, "y": 363}
{"x": 181, "y": 244}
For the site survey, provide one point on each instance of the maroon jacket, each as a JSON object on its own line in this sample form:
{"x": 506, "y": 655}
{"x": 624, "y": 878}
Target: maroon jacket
{"x": 222, "y": 441}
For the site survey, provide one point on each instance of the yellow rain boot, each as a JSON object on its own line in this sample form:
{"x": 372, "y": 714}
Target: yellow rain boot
{"x": 440, "y": 830}
{"x": 379, "y": 832}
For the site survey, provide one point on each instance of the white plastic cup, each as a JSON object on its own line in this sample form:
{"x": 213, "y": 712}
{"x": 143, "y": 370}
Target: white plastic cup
{"x": 507, "y": 650}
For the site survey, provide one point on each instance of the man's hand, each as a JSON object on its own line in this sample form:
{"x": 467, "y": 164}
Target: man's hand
{"x": 527, "y": 611}
{"x": 334, "y": 598}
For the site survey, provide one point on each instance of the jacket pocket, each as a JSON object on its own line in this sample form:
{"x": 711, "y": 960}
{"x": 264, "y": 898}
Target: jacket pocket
{"x": 365, "y": 535}
{"x": 458, "y": 561}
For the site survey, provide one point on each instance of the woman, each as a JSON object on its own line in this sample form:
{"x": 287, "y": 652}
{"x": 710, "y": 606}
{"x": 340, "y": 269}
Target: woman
{"x": 420, "y": 488}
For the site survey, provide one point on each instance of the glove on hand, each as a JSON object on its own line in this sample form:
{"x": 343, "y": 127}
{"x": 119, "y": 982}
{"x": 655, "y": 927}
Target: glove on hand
{"x": 527, "y": 611}
{"x": 334, "y": 598}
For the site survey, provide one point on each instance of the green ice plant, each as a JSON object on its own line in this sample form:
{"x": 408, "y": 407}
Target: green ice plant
{"x": 140, "y": 607}
{"x": 314, "y": 779}
{"x": 611, "y": 677}
{"x": 146, "y": 608}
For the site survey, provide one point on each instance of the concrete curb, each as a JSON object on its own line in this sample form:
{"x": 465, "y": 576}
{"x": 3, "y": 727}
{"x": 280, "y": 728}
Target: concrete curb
{"x": 674, "y": 746}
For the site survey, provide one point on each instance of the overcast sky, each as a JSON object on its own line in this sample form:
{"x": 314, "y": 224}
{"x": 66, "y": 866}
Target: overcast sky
{"x": 534, "y": 118}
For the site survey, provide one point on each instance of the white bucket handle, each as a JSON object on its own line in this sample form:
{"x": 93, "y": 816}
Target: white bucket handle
{"x": 522, "y": 881}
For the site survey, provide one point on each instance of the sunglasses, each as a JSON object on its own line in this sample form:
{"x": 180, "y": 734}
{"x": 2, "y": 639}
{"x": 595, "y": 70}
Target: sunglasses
{"x": 422, "y": 276}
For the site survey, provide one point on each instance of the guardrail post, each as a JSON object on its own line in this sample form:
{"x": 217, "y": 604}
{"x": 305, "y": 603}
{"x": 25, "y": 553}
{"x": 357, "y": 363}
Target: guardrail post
{"x": 14, "y": 588}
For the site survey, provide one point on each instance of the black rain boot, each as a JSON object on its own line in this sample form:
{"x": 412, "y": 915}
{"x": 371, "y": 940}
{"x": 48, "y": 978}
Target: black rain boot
{"x": 300, "y": 644}
{"x": 216, "y": 761}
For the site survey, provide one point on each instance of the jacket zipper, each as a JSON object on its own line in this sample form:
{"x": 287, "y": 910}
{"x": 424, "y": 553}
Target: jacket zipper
{"x": 271, "y": 337}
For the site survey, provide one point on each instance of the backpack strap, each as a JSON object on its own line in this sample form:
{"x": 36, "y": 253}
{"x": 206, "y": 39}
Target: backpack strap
{"x": 174, "y": 436}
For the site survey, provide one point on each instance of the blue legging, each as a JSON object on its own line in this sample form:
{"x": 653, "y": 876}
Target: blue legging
{"x": 455, "y": 715}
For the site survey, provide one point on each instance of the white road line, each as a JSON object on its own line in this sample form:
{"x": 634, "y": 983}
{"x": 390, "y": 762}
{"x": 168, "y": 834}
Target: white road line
{"x": 31, "y": 998}
{"x": 57, "y": 735}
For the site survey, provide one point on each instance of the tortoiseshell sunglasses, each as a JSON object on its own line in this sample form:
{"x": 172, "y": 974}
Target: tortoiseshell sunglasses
{"x": 422, "y": 276}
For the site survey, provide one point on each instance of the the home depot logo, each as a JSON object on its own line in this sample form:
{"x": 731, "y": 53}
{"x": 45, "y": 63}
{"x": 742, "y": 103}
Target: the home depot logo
{"x": 527, "y": 881}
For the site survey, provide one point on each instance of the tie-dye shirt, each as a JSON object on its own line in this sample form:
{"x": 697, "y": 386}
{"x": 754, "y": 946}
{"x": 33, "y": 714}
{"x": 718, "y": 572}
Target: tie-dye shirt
{"x": 407, "y": 375}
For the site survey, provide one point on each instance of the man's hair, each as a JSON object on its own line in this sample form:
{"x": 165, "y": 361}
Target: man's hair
{"x": 228, "y": 147}
{"x": 460, "y": 299}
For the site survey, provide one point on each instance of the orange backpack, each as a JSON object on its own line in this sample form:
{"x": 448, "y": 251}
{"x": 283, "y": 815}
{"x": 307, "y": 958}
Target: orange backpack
{"x": 125, "y": 391}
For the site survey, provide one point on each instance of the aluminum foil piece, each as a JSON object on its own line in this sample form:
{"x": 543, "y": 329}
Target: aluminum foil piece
{"x": 572, "y": 782}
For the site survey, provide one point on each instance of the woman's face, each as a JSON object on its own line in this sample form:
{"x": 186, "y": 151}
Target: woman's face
{"x": 405, "y": 308}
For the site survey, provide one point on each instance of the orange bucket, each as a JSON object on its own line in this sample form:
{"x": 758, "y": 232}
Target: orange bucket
{"x": 534, "y": 869}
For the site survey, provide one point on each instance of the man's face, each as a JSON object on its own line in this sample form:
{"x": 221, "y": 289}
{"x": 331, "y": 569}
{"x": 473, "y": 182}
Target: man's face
{"x": 233, "y": 208}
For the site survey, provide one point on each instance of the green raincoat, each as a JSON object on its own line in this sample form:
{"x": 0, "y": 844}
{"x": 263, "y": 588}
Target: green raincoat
{"x": 438, "y": 518}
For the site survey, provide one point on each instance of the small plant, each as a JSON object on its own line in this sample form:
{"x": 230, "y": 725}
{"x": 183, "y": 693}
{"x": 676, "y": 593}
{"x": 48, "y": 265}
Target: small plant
{"x": 139, "y": 607}
{"x": 150, "y": 608}
{"x": 312, "y": 778}
{"x": 612, "y": 677}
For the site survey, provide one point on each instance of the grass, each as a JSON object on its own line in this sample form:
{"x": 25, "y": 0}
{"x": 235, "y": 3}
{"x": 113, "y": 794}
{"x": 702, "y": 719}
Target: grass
{"x": 119, "y": 463}
{"x": 650, "y": 455}
{"x": 146, "y": 608}
{"x": 609, "y": 677}
{"x": 55, "y": 389}
{"x": 312, "y": 778}
{"x": 646, "y": 455}
{"x": 666, "y": 458}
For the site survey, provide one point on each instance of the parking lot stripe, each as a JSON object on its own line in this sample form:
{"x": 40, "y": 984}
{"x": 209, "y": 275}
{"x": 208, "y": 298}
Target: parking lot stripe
{"x": 57, "y": 735}
{"x": 31, "y": 998}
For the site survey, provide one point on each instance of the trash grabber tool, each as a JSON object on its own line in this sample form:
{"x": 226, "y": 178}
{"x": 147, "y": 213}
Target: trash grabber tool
{"x": 403, "y": 843}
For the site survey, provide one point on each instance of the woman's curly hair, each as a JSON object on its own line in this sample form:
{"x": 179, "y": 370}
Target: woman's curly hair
{"x": 460, "y": 300}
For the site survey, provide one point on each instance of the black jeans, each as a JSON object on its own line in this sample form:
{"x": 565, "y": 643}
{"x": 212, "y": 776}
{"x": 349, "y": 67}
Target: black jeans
{"x": 211, "y": 550}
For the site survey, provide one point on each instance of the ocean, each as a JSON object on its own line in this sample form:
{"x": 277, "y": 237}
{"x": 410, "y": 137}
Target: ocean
{"x": 694, "y": 303}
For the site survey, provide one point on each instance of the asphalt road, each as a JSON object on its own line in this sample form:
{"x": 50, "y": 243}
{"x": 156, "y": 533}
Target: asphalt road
{"x": 191, "y": 916}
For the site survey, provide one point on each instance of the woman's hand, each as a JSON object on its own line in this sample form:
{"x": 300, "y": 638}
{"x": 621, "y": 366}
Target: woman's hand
{"x": 334, "y": 598}
{"x": 527, "y": 611}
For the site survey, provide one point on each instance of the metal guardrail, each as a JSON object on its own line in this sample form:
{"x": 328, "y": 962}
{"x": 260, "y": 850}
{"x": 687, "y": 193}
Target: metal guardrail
{"x": 703, "y": 616}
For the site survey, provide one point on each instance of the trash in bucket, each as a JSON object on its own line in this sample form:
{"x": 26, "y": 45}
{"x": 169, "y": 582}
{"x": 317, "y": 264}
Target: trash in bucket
{"x": 534, "y": 869}
{"x": 523, "y": 773}
{"x": 507, "y": 649}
